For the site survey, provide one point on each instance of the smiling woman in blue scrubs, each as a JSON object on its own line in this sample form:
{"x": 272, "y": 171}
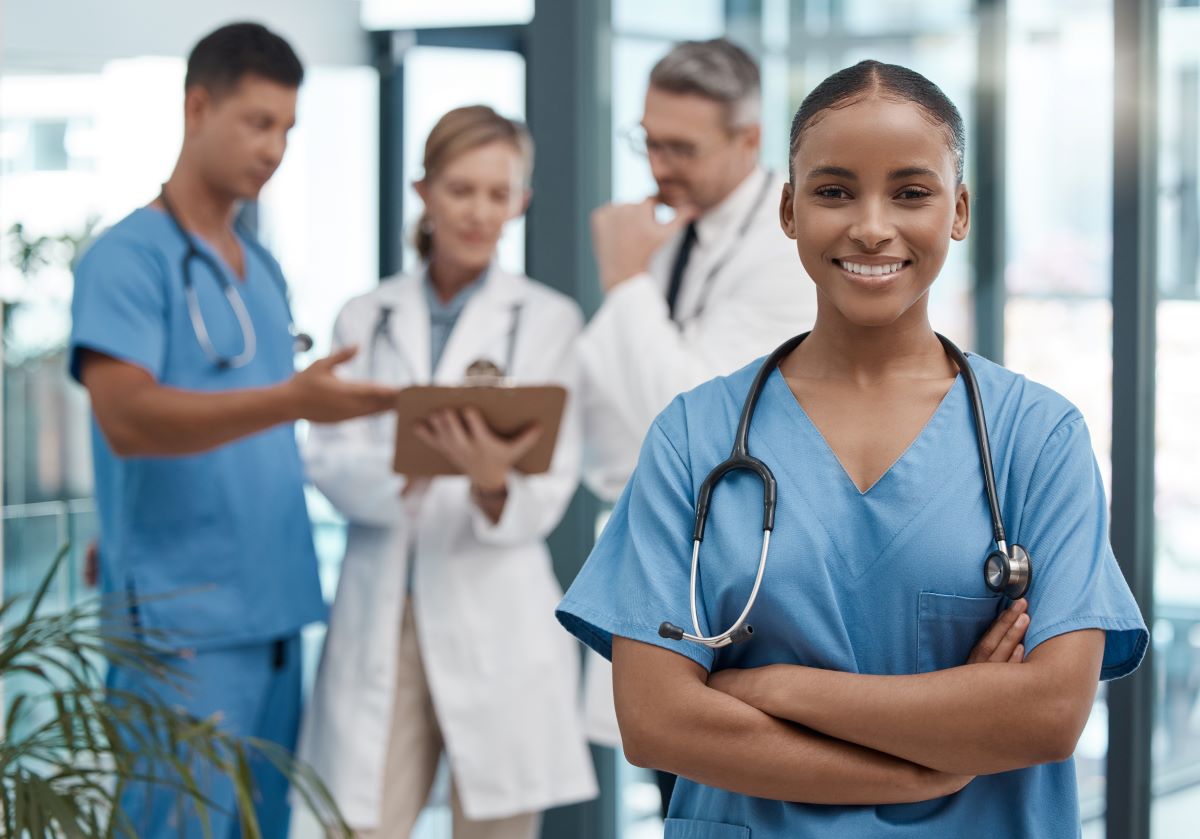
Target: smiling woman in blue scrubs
{"x": 868, "y": 701}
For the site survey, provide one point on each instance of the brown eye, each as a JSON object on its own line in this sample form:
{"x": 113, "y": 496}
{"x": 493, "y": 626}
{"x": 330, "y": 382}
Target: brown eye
{"x": 831, "y": 192}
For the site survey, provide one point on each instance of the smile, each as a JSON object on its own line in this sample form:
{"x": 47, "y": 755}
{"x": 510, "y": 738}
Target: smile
{"x": 860, "y": 269}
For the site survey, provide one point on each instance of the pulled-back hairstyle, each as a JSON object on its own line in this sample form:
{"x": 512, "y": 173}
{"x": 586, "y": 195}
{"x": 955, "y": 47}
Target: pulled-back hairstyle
{"x": 890, "y": 81}
{"x": 460, "y": 131}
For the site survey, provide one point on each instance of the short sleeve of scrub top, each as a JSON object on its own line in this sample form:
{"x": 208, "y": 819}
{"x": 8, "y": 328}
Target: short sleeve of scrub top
{"x": 887, "y": 581}
{"x": 119, "y": 306}
{"x": 1077, "y": 583}
{"x": 217, "y": 545}
{"x": 638, "y": 574}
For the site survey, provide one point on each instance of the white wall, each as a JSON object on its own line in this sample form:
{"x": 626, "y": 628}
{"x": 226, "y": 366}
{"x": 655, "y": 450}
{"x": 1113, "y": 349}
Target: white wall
{"x": 81, "y": 35}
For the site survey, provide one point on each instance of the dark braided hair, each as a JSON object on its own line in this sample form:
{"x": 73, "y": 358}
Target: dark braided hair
{"x": 845, "y": 87}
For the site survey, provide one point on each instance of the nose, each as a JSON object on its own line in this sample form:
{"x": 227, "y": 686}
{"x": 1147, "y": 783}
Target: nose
{"x": 275, "y": 149}
{"x": 480, "y": 208}
{"x": 873, "y": 227}
{"x": 660, "y": 167}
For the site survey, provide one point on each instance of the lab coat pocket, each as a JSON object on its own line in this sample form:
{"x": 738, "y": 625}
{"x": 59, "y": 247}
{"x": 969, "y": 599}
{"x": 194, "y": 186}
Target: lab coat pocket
{"x": 949, "y": 626}
{"x": 690, "y": 829}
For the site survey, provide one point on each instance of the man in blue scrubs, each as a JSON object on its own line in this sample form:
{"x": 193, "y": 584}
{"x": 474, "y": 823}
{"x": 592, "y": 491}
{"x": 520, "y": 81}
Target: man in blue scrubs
{"x": 194, "y": 394}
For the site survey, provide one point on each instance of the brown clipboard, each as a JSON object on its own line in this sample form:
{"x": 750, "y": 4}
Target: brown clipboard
{"x": 507, "y": 410}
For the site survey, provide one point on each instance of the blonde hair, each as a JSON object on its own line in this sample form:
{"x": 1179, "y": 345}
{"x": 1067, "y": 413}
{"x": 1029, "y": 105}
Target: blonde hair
{"x": 460, "y": 131}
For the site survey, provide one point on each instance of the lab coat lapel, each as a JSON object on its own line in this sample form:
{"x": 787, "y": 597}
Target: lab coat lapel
{"x": 482, "y": 329}
{"x": 409, "y": 325}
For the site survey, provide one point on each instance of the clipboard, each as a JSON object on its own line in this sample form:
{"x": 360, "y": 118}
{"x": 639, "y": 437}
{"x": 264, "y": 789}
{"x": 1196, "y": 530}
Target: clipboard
{"x": 507, "y": 411}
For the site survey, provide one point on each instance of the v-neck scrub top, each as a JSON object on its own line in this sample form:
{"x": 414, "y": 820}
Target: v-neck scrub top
{"x": 887, "y": 581}
{"x": 216, "y": 545}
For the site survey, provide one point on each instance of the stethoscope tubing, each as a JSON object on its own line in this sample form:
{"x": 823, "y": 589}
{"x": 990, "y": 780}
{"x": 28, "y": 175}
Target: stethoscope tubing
{"x": 302, "y": 342}
{"x": 740, "y": 459}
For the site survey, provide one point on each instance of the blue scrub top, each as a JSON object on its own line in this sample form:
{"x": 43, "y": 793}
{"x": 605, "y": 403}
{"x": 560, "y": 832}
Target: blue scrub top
{"x": 889, "y": 581}
{"x": 224, "y": 534}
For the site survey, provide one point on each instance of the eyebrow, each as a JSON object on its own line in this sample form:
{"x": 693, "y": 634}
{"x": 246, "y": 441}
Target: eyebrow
{"x": 832, "y": 172}
{"x": 911, "y": 172}
{"x": 846, "y": 174}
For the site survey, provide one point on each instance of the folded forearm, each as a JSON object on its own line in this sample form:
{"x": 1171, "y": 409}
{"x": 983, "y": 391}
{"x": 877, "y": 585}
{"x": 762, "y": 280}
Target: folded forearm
{"x": 976, "y": 719}
{"x": 720, "y": 741}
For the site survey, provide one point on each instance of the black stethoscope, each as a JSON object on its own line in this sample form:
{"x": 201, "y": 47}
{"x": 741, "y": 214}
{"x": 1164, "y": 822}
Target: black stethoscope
{"x": 1007, "y": 570}
{"x": 302, "y": 342}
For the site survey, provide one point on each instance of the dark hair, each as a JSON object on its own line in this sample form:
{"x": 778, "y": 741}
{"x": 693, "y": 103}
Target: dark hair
{"x": 223, "y": 57}
{"x": 719, "y": 70}
{"x": 888, "y": 80}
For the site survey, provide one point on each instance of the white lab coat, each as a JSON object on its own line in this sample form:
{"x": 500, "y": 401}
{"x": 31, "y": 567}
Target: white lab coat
{"x": 741, "y": 296}
{"x": 503, "y": 674}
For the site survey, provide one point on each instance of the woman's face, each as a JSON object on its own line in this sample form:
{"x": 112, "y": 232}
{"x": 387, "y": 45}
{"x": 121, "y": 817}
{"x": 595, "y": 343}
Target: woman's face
{"x": 873, "y": 208}
{"x": 469, "y": 201}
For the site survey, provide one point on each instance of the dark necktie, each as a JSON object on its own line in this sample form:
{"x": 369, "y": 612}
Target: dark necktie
{"x": 681, "y": 261}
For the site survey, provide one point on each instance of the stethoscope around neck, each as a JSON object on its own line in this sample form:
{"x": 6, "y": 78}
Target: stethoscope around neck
{"x": 302, "y": 342}
{"x": 481, "y": 371}
{"x": 1007, "y": 570}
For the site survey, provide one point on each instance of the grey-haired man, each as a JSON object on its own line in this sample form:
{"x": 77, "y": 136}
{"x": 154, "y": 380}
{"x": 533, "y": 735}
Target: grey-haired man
{"x": 693, "y": 298}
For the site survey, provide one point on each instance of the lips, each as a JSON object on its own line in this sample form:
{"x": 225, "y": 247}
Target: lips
{"x": 873, "y": 270}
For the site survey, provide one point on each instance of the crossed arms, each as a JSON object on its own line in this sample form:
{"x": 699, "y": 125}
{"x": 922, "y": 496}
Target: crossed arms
{"x": 796, "y": 733}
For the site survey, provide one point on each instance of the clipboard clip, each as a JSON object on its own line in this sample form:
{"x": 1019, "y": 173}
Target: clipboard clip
{"x": 485, "y": 373}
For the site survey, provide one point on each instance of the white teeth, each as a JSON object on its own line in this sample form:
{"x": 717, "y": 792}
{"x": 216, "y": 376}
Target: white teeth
{"x": 871, "y": 270}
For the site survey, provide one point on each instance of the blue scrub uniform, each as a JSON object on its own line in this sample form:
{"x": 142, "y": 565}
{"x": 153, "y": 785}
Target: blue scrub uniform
{"x": 887, "y": 581}
{"x": 217, "y": 546}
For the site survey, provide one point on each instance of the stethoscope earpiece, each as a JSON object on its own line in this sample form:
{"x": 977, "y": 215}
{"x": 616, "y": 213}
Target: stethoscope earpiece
{"x": 742, "y": 633}
{"x": 670, "y": 631}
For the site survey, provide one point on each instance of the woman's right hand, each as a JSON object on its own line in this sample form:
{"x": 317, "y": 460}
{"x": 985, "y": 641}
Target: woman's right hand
{"x": 1004, "y": 640}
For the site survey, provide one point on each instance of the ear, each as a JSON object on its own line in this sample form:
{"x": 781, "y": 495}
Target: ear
{"x": 422, "y": 189}
{"x": 962, "y": 214}
{"x": 787, "y": 210}
{"x": 752, "y": 136}
{"x": 197, "y": 101}
{"x": 520, "y": 208}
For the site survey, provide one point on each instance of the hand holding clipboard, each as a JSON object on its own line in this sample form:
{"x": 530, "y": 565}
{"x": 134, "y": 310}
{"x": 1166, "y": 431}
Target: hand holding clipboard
{"x": 508, "y": 412}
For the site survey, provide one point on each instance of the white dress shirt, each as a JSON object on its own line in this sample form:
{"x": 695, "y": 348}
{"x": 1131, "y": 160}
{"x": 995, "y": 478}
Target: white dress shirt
{"x": 744, "y": 292}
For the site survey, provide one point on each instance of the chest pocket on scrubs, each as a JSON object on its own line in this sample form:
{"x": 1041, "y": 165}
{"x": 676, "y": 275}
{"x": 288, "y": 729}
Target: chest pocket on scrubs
{"x": 948, "y": 627}
{"x": 689, "y": 829}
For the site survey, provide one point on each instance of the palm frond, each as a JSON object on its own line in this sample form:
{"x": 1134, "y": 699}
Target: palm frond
{"x": 72, "y": 748}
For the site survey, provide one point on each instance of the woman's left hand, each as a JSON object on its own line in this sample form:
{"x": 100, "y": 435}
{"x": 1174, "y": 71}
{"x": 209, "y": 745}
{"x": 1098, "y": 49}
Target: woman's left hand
{"x": 466, "y": 441}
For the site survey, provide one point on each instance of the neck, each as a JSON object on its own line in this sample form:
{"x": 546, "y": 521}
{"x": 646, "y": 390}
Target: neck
{"x": 743, "y": 171}
{"x": 839, "y": 349}
{"x": 450, "y": 277}
{"x": 201, "y": 208}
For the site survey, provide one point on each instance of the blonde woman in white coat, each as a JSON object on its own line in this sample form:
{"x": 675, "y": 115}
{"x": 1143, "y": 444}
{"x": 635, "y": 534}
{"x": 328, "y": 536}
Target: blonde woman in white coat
{"x": 442, "y": 639}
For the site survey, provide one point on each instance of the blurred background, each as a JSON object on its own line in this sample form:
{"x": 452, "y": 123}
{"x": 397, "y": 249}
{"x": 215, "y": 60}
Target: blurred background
{"x": 1082, "y": 270}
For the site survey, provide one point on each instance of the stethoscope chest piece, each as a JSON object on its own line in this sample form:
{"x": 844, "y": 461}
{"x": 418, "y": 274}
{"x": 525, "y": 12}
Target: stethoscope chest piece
{"x": 1008, "y": 571}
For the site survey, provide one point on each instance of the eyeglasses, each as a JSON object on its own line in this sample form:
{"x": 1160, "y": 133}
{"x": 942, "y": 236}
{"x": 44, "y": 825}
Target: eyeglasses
{"x": 671, "y": 151}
